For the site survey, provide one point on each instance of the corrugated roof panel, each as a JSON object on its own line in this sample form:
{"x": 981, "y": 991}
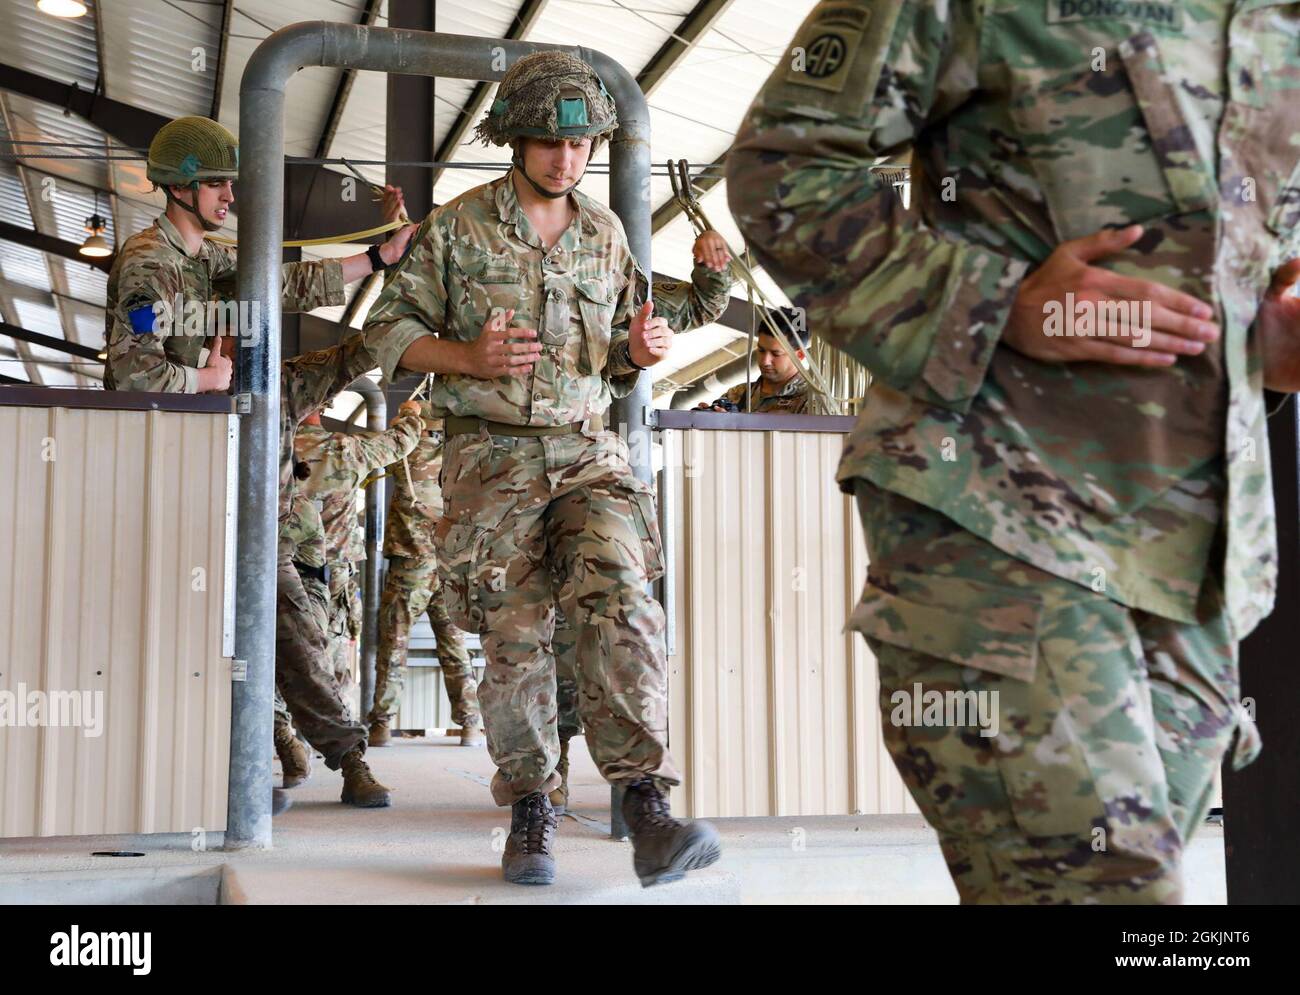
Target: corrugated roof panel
{"x": 150, "y": 55}
{"x": 59, "y": 48}
{"x": 37, "y": 317}
{"x": 85, "y": 282}
{"x": 24, "y": 266}
{"x": 87, "y": 323}
{"x": 67, "y": 209}
{"x": 37, "y": 121}
{"x": 13, "y": 198}
{"x": 311, "y": 91}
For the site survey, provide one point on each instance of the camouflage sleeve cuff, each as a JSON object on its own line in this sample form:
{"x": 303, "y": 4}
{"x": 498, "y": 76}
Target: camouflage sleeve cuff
{"x": 190, "y": 376}
{"x": 620, "y": 358}
{"x": 970, "y": 319}
{"x": 622, "y": 373}
{"x": 388, "y": 342}
{"x": 710, "y": 282}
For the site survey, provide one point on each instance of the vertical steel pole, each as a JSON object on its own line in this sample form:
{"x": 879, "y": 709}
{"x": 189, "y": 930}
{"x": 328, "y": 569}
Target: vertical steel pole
{"x": 248, "y": 808}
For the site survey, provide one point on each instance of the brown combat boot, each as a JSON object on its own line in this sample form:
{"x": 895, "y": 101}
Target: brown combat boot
{"x": 664, "y": 848}
{"x": 379, "y": 733}
{"x": 560, "y": 796}
{"x": 295, "y": 759}
{"x": 359, "y": 785}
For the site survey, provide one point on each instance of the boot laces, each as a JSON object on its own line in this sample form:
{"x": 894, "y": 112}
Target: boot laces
{"x": 653, "y": 807}
{"x": 538, "y": 822}
{"x": 359, "y": 770}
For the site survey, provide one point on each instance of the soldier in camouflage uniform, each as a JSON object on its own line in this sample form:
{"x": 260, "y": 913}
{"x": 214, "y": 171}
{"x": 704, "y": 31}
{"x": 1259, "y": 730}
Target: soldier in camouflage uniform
{"x": 1076, "y": 516}
{"x": 171, "y": 292}
{"x": 170, "y": 266}
{"x": 301, "y": 541}
{"x": 779, "y": 389}
{"x": 520, "y": 294}
{"x": 686, "y": 305}
{"x": 338, "y": 463}
{"x": 302, "y": 652}
{"x": 412, "y": 587}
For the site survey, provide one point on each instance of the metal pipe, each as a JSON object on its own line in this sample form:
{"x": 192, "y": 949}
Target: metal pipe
{"x": 714, "y": 385}
{"x": 376, "y": 421}
{"x": 261, "y": 121}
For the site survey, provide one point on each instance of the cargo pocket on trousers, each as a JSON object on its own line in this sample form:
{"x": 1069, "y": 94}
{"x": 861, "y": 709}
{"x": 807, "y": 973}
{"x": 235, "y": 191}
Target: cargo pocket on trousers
{"x": 1040, "y": 760}
{"x": 459, "y": 545}
{"x": 647, "y": 527}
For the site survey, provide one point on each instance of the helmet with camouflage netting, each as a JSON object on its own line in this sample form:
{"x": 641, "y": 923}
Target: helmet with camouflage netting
{"x": 190, "y": 150}
{"x": 549, "y": 94}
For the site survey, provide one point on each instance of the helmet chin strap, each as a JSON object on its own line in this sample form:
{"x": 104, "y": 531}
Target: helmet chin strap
{"x": 172, "y": 198}
{"x": 518, "y": 162}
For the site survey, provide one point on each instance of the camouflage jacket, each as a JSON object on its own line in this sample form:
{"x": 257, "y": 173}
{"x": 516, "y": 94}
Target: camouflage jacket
{"x": 478, "y": 254}
{"x": 1029, "y": 124}
{"x": 416, "y": 506}
{"x": 339, "y": 463}
{"x": 302, "y": 533}
{"x": 689, "y": 304}
{"x": 157, "y": 320}
{"x": 307, "y": 383}
{"x": 794, "y": 398}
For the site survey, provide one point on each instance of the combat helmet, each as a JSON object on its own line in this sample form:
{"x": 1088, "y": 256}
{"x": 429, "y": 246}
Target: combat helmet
{"x": 548, "y": 94}
{"x": 188, "y": 151}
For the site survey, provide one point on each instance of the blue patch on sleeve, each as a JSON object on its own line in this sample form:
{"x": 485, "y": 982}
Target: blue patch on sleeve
{"x": 141, "y": 319}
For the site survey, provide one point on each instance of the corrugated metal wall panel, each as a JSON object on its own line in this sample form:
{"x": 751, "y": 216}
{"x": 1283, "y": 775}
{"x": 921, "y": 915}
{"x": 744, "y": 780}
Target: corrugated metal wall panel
{"x": 111, "y": 583}
{"x": 772, "y": 703}
{"x": 424, "y": 703}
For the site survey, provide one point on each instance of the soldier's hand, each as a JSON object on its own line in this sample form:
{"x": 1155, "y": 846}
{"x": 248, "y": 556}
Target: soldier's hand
{"x": 649, "y": 338}
{"x": 711, "y": 250}
{"x": 394, "y": 207}
{"x": 215, "y": 373}
{"x": 407, "y": 408}
{"x": 1278, "y": 322}
{"x": 501, "y": 351}
{"x": 393, "y": 249}
{"x": 1180, "y": 324}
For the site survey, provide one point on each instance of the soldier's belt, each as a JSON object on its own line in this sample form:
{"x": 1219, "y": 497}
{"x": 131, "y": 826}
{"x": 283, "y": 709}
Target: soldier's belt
{"x": 458, "y": 425}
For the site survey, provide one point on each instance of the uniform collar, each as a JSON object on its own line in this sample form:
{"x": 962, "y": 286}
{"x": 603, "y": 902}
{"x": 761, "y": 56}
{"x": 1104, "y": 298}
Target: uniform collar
{"x": 174, "y": 238}
{"x": 794, "y": 385}
{"x": 512, "y": 213}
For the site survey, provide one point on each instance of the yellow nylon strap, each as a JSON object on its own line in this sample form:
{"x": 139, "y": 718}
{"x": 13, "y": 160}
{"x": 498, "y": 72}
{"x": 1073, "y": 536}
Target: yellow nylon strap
{"x": 298, "y": 243}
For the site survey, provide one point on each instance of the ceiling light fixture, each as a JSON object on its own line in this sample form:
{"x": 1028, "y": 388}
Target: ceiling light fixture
{"x": 62, "y": 8}
{"x": 96, "y": 245}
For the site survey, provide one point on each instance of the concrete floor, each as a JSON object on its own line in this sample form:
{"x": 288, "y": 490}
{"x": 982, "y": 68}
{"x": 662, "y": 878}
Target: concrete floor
{"x": 440, "y": 843}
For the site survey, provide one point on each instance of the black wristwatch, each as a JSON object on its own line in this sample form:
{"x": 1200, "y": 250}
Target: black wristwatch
{"x": 376, "y": 260}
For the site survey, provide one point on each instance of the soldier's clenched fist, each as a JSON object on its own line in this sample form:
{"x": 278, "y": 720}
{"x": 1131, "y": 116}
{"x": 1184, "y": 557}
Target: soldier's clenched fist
{"x": 649, "y": 338}
{"x": 215, "y": 374}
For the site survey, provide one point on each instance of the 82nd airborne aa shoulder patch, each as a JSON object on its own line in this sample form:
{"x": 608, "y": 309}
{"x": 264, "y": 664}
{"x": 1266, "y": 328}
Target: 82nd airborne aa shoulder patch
{"x": 823, "y": 53}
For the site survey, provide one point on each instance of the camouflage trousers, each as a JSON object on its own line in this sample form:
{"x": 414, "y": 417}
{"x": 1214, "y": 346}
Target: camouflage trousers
{"x": 305, "y": 683}
{"x": 532, "y": 522}
{"x": 411, "y": 588}
{"x": 343, "y": 625}
{"x": 564, "y": 644}
{"x": 1107, "y": 723}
